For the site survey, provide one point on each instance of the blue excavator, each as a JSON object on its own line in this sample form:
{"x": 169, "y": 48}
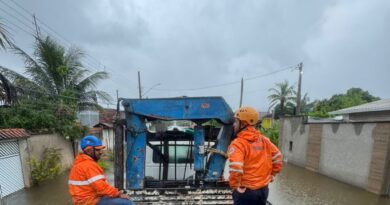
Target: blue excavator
{"x": 205, "y": 150}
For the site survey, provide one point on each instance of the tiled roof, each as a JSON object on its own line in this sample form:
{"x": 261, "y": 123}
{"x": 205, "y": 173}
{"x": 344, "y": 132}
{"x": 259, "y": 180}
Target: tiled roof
{"x": 13, "y": 133}
{"x": 109, "y": 125}
{"x": 108, "y": 115}
{"x": 380, "y": 105}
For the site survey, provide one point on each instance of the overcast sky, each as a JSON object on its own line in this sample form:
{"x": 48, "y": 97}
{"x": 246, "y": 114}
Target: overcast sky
{"x": 191, "y": 47}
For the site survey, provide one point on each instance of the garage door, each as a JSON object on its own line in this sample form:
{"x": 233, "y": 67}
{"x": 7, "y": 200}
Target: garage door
{"x": 11, "y": 177}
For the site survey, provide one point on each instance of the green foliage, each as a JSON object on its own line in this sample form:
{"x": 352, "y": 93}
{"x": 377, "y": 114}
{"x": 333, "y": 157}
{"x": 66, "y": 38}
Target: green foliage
{"x": 4, "y": 39}
{"x": 289, "y": 110}
{"x": 103, "y": 164}
{"x": 28, "y": 115}
{"x": 212, "y": 123}
{"x": 43, "y": 116}
{"x": 55, "y": 87}
{"x": 353, "y": 97}
{"x": 47, "y": 168}
{"x": 272, "y": 133}
{"x": 319, "y": 114}
{"x": 282, "y": 94}
{"x": 110, "y": 155}
{"x": 56, "y": 72}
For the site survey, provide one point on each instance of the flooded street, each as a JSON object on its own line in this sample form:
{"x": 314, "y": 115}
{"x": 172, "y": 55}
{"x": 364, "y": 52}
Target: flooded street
{"x": 51, "y": 192}
{"x": 294, "y": 185}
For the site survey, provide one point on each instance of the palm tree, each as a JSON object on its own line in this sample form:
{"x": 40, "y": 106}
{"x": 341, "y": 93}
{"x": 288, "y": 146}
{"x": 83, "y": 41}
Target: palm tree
{"x": 7, "y": 91}
{"x": 305, "y": 105}
{"x": 4, "y": 40}
{"x": 59, "y": 73}
{"x": 282, "y": 94}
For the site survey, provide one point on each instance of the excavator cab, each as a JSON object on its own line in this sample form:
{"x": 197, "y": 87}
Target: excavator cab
{"x": 158, "y": 163}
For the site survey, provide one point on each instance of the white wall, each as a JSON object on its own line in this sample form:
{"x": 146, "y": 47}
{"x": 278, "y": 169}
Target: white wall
{"x": 36, "y": 144}
{"x": 345, "y": 154}
{"x": 108, "y": 138}
{"x": 346, "y": 149}
{"x": 298, "y": 154}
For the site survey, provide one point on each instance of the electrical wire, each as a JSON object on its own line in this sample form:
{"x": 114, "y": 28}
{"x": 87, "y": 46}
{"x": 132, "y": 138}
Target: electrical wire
{"x": 58, "y": 37}
{"x": 227, "y": 83}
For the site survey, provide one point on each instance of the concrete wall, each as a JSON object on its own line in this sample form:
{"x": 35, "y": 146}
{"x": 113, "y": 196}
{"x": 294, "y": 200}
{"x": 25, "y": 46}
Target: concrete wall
{"x": 108, "y": 138}
{"x": 36, "y": 144}
{"x": 297, "y": 133}
{"x": 25, "y": 158}
{"x": 354, "y": 153}
{"x": 346, "y": 152}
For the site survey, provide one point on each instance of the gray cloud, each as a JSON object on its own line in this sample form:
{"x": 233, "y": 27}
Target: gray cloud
{"x": 193, "y": 44}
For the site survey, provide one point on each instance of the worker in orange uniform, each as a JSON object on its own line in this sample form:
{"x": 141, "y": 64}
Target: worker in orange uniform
{"x": 254, "y": 160}
{"x": 87, "y": 182}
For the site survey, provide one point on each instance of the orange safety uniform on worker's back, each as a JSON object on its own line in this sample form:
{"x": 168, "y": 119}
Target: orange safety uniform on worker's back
{"x": 87, "y": 182}
{"x": 254, "y": 160}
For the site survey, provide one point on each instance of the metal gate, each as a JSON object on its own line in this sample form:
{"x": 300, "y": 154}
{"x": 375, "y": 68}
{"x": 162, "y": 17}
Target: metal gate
{"x": 11, "y": 176}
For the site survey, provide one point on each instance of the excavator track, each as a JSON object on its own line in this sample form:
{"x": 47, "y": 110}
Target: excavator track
{"x": 181, "y": 196}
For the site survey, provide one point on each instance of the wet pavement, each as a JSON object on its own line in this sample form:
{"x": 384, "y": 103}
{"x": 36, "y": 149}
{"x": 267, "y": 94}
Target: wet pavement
{"x": 294, "y": 186}
{"x": 48, "y": 193}
{"x": 298, "y": 186}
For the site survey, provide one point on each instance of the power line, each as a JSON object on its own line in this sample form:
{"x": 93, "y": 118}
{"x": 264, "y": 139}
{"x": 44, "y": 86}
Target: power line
{"x": 20, "y": 28}
{"x": 52, "y": 95}
{"x": 18, "y": 19}
{"x": 201, "y": 88}
{"x": 270, "y": 73}
{"x": 15, "y": 10}
{"x": 229, "y": 83}
{"x": 60, "y": 37}
{"x": 86, "y": 61}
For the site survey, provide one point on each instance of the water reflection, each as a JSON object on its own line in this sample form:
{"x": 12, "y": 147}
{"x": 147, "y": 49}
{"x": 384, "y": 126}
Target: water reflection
{"x": 296, "y": 185}
{"x": 49, "y": 193}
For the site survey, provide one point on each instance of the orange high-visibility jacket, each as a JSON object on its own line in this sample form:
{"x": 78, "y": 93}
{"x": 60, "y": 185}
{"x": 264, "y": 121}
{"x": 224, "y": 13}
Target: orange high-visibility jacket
{"x": 254, "y": 160}
{"x": 87, "y": 182}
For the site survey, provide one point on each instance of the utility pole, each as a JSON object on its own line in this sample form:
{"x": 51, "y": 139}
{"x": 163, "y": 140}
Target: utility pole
{"x": 298, "y": 110}
{"x": 242, "y": 89}
{"x": 139, "y": 85}
{"x": 117, "y": 94}
{"x": 36, "y": 26}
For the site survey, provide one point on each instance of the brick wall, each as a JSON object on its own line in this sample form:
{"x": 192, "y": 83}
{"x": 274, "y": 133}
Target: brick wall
{"x": 378, "y": 175}
{"x": 314, "y": 147}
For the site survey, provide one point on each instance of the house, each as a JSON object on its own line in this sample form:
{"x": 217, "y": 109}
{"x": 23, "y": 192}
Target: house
{"x": 18, "y": 147}
{"x": 11, "y": 172}
{"x": 88, "y": 118}
{"x": 266, "y": 119}
{"x": 354, "y": 148}
{"x": 106, "y": 134}
{"x": 373, "y": 111}
{"x": 104, "y": 129}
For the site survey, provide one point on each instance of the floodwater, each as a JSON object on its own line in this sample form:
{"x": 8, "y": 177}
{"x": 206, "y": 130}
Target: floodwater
{"x": 294, "y": 185}
{"x": 298, "y": 186}
{"x": 52, "y": 192}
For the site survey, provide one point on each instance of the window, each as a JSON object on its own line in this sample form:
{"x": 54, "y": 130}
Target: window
{"x": 291, "y": 146}
{"x": 183, "y": 154}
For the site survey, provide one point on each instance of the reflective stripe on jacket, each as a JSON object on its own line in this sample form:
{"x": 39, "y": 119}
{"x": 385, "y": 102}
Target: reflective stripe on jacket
{"x": 87, "y": 182}
{"x": 253, "y": 160}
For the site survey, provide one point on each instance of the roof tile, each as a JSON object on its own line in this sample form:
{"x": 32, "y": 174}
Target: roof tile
{"x": 13, "y": 133}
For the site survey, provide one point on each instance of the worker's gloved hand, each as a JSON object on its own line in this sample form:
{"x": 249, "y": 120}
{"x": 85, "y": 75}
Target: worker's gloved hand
{"x": 124, "y": 196}
{"x": 241, "y": 189}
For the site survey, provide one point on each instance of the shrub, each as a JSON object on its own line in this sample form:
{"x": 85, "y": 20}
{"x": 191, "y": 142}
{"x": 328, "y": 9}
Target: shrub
{"x": 47, "y": 168}
{"x": 272, "y": 133}
{"x": 110, "y": 155}
{"x": 103, "y": 164}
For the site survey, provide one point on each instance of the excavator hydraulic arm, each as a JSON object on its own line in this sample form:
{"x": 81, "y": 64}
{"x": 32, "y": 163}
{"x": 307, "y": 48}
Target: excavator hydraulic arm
{"x": 197, "y": 110}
